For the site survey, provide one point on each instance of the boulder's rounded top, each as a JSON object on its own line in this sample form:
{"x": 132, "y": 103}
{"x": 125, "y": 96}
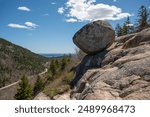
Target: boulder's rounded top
{"x": 102, "y": 23}
{"x": 94, "y": 37}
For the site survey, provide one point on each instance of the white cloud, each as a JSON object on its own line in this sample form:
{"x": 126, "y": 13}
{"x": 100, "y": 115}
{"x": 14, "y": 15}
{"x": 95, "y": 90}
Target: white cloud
{"x": 30, "y": 24}
{"x": 27, "y": 25}
{"x": 88, "y": 10}
{"x": 61, "y": 10}
{"x": 129, "y": 25}
{"x": 24, "y": 8}
{"x": 71, "y": 20}
{"x": 17, "y": 26}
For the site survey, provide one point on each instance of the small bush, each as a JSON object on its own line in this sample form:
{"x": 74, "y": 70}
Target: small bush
{"x": 24, "y": 92}
{"x": 39, "y": 85}
{"x": 51, "y": 92}
{"x": 69, "y": 77}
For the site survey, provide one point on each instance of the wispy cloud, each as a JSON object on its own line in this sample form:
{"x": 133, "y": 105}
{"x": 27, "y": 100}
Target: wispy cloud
{"x": 71, "y": 20}
{"x": 24, "y": 8}
{"x": 53, "y": 3}
{"x": 115, "y": 0}
{"x": 89, "y": 10}
{"x": 61, "y": 10}
{"x": 17, "y": 26}
{"x": 26, "y": 25}
{"x": 31, "y": 25}
{"x": 46, "y": 14}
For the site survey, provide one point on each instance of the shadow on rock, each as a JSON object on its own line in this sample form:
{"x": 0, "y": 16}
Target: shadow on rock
{"x": 88, "y": 62}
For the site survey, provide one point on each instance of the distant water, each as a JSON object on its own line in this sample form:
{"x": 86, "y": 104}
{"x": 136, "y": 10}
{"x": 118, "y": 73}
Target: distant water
{"x": 54, "y": 55}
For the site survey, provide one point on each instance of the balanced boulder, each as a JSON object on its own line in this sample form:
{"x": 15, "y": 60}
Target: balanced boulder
{"x": 94, "y": 37}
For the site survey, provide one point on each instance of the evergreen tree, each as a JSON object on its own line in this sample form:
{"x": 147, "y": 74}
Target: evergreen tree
{"x": 64, "y": 62}
{"x": 4, "y": 81}
{"x": 127, "y": 28}
{"x": 128, "y": 25}
{"x": 142, "y": 21}
{"x": 58, "y": 65}
{"x": 118, "y": 30}
{"x": 39, "y": 85}
{"x": 24, "y": 92}
{"x": 50, "y": 76}
{"x": 124, "y": 30}
{"x": 53, "y": 67}
{"x": 0, "y": 82}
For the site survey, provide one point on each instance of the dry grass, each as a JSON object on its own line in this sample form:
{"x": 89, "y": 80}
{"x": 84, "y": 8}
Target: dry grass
{"x": 59, "y": 85}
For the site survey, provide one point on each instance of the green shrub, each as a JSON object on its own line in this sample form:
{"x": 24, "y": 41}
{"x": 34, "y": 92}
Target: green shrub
{"x": 39, "y": 85}
{"x": 51, "y": 92}
{"x": 69, "y": 77}
{"x": 24, "y": 92}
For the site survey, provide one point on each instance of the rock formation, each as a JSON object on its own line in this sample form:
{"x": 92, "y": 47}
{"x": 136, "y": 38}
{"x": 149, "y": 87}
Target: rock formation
{"x": 92, "y": 38}
{"x": 140, "y": 38}
{"x": 121, "y": 71}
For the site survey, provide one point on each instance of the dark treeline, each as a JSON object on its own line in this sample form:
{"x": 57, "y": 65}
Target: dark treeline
{"x": 142, "y": 22}
{"x": 56, "y": 69}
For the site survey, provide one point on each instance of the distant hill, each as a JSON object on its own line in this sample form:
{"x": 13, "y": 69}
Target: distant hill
{"x": 53, "y": 55}
{"x": 16, "y": 61}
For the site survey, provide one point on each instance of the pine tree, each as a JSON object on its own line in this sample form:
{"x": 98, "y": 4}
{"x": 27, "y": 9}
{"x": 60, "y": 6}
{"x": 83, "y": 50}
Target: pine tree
{"x": 52, "y": 69}
{"x": 142, "y": 21}
{"x": 118, "y": 30}
{"x": 4, "y": 81}
{"x": 39, "y": 85}
{"x": 50, "y": 75}
{"x": 64, "y": 62}
{"x": 0, "y": 82}
{"x": 124, "y": 30}
{"x": 58, "y": 65}
{"x": 128, "y": 25}
{"x": 24, "y": 92}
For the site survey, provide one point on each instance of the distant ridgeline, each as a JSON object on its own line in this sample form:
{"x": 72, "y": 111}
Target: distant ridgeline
{"x": 50, "y": 55}
{"x": 16, "y": 61}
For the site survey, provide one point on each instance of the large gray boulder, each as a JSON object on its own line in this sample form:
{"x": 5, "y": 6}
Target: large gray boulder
{"x": 94, "y": 37}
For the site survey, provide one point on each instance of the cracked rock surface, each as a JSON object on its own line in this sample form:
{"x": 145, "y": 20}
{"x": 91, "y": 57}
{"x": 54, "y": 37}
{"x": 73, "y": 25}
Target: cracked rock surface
{"x": 122, "y": 71}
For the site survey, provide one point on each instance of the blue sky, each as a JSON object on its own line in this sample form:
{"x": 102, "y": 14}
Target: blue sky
{"x": 47, "y": 26}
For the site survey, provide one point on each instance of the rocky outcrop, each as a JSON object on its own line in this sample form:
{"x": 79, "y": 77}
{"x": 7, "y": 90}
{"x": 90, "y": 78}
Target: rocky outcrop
{"x": 139, "y": 38}
{"x": 41, "y": 96}
{"x": 92, "y": 38}
{"x": 122, "y": 71}
{"x": 64, "y": 96}
{"x": 123, "y": 39}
